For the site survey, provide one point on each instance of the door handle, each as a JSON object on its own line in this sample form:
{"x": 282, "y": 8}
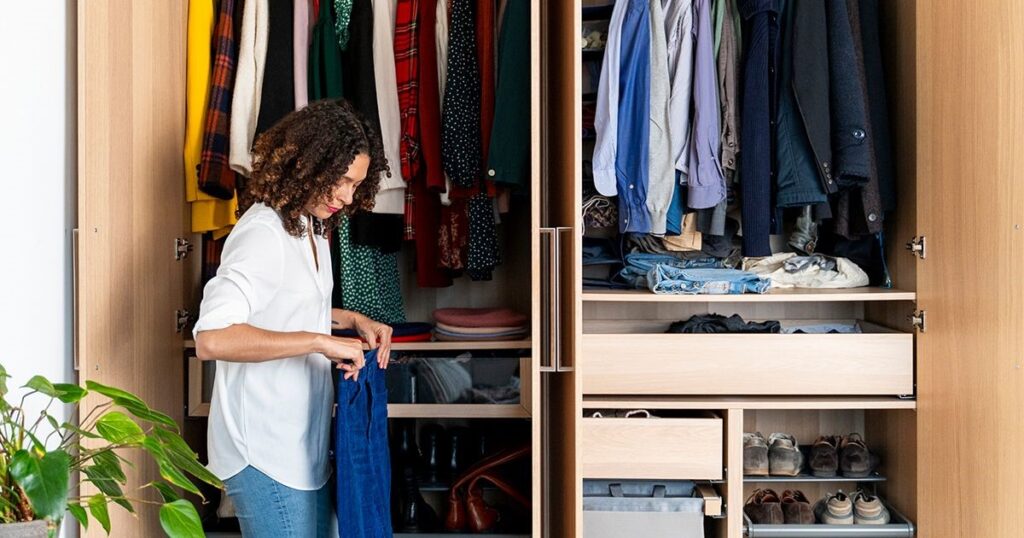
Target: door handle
{"x": 548, "y": 299}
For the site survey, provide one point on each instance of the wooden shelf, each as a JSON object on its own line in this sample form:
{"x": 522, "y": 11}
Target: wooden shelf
{"x": 442, "y": 346}
{"x": 808, "y": 479}
{"x": 457, "y": 411}
{"x": 746, "y": 402}
{"x": 456, "y": 535}
{"x": 792, "y": 295}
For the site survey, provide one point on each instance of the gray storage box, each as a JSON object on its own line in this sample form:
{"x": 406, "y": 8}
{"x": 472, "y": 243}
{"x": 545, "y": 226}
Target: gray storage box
{"x": 613, "y": 509}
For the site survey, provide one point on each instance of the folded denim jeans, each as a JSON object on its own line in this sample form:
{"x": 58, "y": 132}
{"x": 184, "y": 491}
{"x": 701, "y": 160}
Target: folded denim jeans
{"x": 639, "y": 264}
{"x": 665, "y": 279}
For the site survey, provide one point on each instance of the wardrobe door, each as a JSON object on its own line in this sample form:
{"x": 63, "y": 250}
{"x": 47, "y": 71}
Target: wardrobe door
{"x": 971, "y": 210}
{"x": 131, "y": 110}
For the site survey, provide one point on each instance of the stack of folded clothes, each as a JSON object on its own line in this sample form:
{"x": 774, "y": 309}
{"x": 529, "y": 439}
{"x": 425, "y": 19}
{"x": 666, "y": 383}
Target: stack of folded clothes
{"x": 401, "y": 332}
{"x": 479, "y": 324}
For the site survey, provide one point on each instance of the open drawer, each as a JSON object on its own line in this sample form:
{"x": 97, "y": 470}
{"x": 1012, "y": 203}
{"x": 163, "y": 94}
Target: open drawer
{"x": 669, "y": 448}
{"x": 877, "y": 361}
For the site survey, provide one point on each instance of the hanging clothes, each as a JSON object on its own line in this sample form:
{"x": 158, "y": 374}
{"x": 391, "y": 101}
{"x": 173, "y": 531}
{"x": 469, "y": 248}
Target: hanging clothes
{"x": 662, "y": 176}
{"x": 679, "y": 33}
{"x": 878, "y": 103}
{"x": 811, "y": 88}
{"x": 391, "y": 197}
{"x": 606, "y": 112}
{"x": 407, "y": 76}
{"x": 727, "y": 51}
{"x": 325, "y": 74}
{"x": 485, "y": 25}
{"x": 205, "y": 99}
{"x": 369, "y": 279}
{"x": 425, "y": 186}
{"x": 300, "y": 51}
{"x": 631, "y": 160}
{"x": 482, "y": 254}
{"x": 357, "y": 63}
{"x": 706, "y": 182}
{"x": 278, "y": 91}
{"x": 343, "y": 10}
{"x": 508, "y": 158}
{"x": 460, "y": 115}
{"x": 248, "y": 90}
{"x": 362, "y": 456}
{"x": 756, "y": 131}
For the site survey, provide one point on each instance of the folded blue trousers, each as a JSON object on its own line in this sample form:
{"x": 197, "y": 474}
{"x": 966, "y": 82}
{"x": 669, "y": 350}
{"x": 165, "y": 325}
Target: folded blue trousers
{"x": 362, "y": 457}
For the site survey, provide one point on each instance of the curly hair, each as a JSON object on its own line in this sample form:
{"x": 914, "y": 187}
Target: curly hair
{"x": 302, "y": 158}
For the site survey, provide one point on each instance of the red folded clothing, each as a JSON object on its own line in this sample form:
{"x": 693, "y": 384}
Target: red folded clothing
{"x": 479, "y": 317}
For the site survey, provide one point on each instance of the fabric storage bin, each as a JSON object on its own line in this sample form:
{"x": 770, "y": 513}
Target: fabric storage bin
{"x": 613, "y": 509}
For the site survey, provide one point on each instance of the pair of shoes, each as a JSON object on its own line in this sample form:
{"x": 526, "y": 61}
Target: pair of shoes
{"x": 778, "y": 456}
{"x": 860, "y": 508}
{"x": 849, "y": 455}
{"x": 765, "y": 507}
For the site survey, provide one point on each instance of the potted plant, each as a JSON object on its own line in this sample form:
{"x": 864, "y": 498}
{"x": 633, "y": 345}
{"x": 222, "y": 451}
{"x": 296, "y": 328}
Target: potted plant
{"x": 36, "y": 466}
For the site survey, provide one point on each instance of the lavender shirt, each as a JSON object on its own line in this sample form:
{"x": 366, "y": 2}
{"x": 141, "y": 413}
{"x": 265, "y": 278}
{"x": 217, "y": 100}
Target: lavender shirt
{"x": 706, "y": 182}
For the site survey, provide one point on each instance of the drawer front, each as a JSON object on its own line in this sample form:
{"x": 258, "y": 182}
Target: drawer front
{"x": 655, "y": 448}
{"x": 747, "y": 364}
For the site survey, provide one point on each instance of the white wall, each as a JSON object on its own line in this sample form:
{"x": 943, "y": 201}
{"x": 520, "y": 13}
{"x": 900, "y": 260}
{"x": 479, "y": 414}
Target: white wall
{"x": 37, "y": 185}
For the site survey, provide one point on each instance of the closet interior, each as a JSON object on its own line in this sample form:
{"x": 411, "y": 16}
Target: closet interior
{"x": 662, "y": 393}
{"x": 458, "y": 230}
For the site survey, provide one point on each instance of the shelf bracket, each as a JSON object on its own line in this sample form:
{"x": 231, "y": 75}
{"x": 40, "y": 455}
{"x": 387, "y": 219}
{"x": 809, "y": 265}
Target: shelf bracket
{"x": 917, "y": 246}
{"x": 919, "y": 320}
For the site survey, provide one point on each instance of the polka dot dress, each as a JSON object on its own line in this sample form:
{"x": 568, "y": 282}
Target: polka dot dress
{"x": 369, "y": 280}
{"x": 461, "y": 150}
{"x": 483, "y": 253}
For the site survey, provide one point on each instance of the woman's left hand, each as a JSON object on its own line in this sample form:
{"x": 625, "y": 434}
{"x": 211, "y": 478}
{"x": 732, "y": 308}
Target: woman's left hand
{"x": 378, "y": 335}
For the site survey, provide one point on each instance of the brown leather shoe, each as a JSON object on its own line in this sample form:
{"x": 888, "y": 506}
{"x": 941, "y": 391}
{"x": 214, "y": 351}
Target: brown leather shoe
{"x": 855, "y": 460}
{"x": 825, "y": 457}
{"x": 764, "y": 508}
{"x": 796, "y": 509}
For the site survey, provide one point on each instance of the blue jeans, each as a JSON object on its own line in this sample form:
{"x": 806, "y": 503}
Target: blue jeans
{"x": 362, "y": 456}
{"x": 673, "y": 280}
{"x": 268, "y": 509}
{"x": 639, "y": 264}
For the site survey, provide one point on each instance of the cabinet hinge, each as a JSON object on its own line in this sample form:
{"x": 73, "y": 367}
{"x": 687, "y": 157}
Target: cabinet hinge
{"x": 918, "y": 319}
{"x": 182, "y": 319}
{"x": 182, "y": 248}
{"x": 917, "y": 246}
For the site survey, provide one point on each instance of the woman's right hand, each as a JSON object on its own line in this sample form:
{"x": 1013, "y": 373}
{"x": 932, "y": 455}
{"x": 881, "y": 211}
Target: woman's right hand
{"x": 346, "y": 353}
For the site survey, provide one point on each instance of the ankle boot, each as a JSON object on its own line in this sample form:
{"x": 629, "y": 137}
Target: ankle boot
{"x": 404, "y": 443}
{"x": 458, "y": 458}
{"x": 414, "y": 514}
{"x": 432, "y": 448}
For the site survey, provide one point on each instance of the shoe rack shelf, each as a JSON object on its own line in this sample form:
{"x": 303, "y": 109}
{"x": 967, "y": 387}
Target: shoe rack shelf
{"x": 793, "y": 295}
{"x": 748, "y": 402}
{"x": 457, "y": 411}
{"x": 806, "y": 479}
{"x": 898, "y": 527}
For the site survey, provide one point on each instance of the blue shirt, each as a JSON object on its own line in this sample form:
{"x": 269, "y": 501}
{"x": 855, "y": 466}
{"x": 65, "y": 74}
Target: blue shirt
{"x": 633, "y": 134}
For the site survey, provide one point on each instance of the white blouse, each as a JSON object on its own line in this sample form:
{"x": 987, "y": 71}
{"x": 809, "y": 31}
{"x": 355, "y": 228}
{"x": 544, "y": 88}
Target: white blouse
{"x": 273, "y": 415}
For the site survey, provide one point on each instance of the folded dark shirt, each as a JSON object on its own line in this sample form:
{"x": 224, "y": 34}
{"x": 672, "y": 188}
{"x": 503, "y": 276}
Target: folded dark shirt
{"x": 716, "y": 323}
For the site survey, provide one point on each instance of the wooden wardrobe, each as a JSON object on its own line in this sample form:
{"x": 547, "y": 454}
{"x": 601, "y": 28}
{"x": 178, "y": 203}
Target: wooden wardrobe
{"x": 940, "y": 401}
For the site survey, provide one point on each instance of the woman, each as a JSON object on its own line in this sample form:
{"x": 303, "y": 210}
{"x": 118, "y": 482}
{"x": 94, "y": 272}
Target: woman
{"x": 266, "y": 319}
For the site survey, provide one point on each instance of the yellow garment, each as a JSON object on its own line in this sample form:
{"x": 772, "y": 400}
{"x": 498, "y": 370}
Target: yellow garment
{"x": 690, "y": 240}
{"x": 209, "y": 214}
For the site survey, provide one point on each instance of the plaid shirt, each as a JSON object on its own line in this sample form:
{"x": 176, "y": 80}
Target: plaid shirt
{"x": 407, "y": 75}
{"x": 216, "y": 177}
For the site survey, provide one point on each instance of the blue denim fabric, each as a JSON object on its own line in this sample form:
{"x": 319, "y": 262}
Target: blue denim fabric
{"x": 666, "y": 279}
{"x": 362, "y": 456}
{"x": 633, "y": 140}
{"x": 268, "y": 509}
{"x": 639, "y": 265}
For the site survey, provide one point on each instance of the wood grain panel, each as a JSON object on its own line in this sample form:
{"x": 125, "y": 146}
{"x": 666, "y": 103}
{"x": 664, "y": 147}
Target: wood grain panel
{"x": 656, "y": 448}
{"x": 131, "y": 109}
{"x": 970, "y": 124}
{"x": 747, "y": 364}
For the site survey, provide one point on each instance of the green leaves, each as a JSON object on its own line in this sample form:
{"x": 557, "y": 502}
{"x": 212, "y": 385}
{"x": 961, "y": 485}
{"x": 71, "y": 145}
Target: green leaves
{"x": 98, "y": 509}
{"x": 69, "y": 392}
{"x": 132, "y": 404}
{"x": 44, "y": 480}
{"x": 180, "y": 520}
{"x": 79, "y": 513}
{"x": 182, "y": 456}
{"x": 117, "y": 428}
{"x": 41, "y": 384}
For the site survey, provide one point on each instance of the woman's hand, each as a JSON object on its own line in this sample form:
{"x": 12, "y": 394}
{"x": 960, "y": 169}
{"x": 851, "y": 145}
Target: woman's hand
{"x": 378, "y": 335}
{"x": 347, "y": 353}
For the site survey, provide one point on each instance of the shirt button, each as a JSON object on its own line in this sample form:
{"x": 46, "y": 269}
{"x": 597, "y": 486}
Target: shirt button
{"x": 872, "y": 217}
{"x": 631, "y": 186}
{"x": 731, "y": 162}
{"x": 858, "y": 134}
{"x": 491, "y": 172}
{"x": 732, "y": 143}
{"x": 825, "y": 165}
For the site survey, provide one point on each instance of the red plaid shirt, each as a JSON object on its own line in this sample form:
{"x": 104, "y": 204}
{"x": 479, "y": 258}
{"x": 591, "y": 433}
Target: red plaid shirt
{"x": 216, "y": 177}
{"x": 407, "y": 71}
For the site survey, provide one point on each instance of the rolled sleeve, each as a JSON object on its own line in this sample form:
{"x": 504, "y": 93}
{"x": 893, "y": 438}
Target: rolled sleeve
{"x": 248, "y": 278}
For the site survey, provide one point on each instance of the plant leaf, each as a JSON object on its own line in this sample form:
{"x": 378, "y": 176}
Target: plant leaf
{"x": 180, "y": 520}
{"x": 105, "y": 483}
{"x": 118, "y": 428}
{"x": 69, "y": 392}
{"x": 109, "y": 463}
{"x": 167, "y": 492}
{"x": 98, "y": 509}
{"x": 3, "y": 381}
{"x": 41, "y": 384}
{"x": 44, "y": 480}
{"x": 147, "y": 413}
{"x": 79, "y": 431}
{"x": 114, "y": 393}
{"x": 174, "y": 475}
{"x": 184, "y": 458}
{"x": 79, "y": 513}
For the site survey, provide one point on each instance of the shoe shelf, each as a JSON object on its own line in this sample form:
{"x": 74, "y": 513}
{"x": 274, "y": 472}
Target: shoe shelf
{"x": 747, "y": 402}
{"x": 898, "y": 527}
{"x": 782, "y": 295}
{"x": 396, "y": 410}
{"x": 806, "y": 479}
